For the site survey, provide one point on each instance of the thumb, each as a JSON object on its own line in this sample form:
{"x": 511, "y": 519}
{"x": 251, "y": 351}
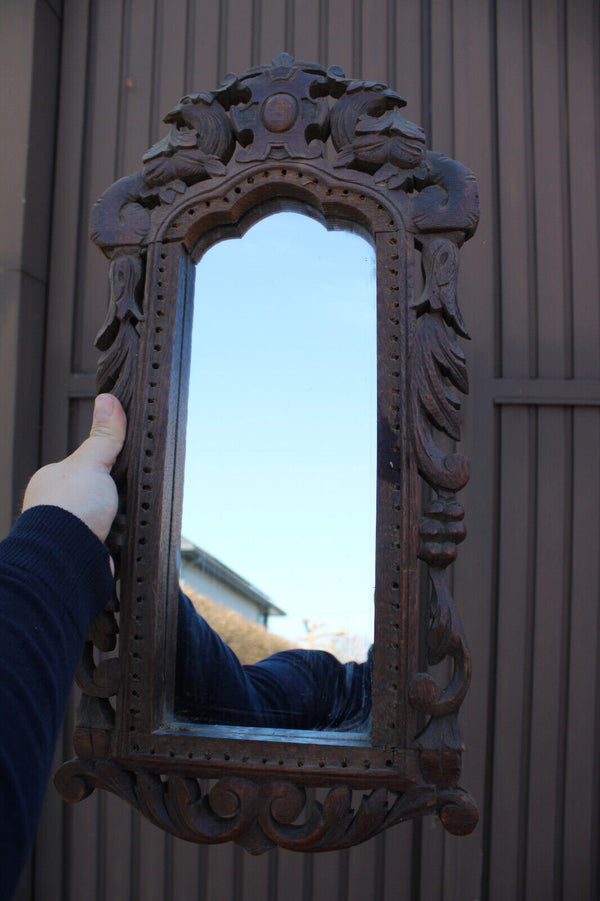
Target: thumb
{"x": 107, "y": 434}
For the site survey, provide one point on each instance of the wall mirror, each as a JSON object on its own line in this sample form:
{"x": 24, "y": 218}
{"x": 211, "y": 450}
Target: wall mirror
{"x": 281, "y": 490}
{"x": 297, "y": 138}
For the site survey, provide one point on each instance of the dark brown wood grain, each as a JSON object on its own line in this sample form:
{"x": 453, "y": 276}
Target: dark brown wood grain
{"x": 287, "y": 135}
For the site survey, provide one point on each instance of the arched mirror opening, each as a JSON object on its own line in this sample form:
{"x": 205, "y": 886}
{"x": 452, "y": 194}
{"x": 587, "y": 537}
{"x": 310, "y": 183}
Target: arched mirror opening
{"x": 278, "y": 523}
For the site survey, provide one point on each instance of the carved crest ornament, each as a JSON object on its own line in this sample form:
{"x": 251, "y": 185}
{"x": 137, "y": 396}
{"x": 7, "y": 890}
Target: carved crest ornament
{"x": 286, "y": 135}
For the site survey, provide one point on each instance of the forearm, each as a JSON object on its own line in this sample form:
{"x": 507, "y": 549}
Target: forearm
{"x": 296, "y": 689}
{"x": 211, "y": 684}
{"x": 54, "y": 579}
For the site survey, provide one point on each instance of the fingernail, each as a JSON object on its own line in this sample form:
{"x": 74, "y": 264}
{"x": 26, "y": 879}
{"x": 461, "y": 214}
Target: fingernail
{"x": 103, "y": 408}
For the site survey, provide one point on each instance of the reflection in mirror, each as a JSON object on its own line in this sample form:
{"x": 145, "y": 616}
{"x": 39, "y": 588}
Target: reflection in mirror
{"x": 278, "y": 534}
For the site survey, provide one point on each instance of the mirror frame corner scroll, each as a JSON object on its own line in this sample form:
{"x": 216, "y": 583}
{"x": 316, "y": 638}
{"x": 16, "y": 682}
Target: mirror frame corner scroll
{"x": 288, "y": 134}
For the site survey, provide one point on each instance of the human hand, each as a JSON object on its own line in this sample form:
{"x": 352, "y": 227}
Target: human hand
{"x": 82, "y": 483}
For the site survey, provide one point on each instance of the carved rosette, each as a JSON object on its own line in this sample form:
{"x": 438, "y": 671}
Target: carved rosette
{"x": 284, "y": 111}
{"x": 293, "y": 110}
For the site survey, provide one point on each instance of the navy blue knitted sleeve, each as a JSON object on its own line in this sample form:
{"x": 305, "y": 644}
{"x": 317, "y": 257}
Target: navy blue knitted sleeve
{"x": 54, "y": 580}
{"x": 296, "y": 689}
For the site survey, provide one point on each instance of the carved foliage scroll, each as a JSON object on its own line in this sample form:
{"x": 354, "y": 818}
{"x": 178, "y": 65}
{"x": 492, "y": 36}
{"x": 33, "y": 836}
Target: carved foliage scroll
{"x": 289, "y": 110}
{"x": 439, "y": 376}
{"x": 257, "y": 816}
{"x": 352, "y": 134}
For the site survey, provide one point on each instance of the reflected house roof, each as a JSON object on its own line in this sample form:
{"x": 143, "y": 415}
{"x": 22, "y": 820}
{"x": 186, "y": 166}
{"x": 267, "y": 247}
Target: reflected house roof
{"x": 196, "y": 561}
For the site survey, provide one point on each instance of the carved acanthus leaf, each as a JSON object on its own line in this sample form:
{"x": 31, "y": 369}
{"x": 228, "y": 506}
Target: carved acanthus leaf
{"x": 439, "y": 366}
{"x": 390, "y": 138}
{"x": 118, "y": 339}
{"x": 198, "y": 145}
{"x": 440, "y": 264}
{"x": 445, "y": 638}
{"x": 116, "y": 366}
{"x": 370, "y": 133}
{"x": 124, "y": 277}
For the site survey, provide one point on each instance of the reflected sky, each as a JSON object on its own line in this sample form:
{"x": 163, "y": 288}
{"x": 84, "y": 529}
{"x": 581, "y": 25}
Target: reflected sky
{"x": 281, "y": 440}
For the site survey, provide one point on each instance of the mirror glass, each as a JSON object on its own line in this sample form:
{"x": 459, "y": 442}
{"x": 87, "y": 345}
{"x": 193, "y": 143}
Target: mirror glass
{"x": 278, "y": 527}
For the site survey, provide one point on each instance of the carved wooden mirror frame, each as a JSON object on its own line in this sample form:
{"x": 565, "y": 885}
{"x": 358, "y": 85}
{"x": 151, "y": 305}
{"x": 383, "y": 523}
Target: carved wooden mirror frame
{"x": 286, "y": 135}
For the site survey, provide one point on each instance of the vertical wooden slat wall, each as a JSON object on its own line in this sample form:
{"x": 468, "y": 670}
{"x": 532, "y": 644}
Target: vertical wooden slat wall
{"x": 511, "y": 88}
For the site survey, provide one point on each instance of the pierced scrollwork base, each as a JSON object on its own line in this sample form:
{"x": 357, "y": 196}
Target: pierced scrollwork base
{"x": 261, "y": 815}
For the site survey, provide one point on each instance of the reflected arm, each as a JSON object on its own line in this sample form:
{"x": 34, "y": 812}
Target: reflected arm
{"x": 296, "y": 689}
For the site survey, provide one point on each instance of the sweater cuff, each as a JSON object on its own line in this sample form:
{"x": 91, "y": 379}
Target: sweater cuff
{"x": 60, "y": 550}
